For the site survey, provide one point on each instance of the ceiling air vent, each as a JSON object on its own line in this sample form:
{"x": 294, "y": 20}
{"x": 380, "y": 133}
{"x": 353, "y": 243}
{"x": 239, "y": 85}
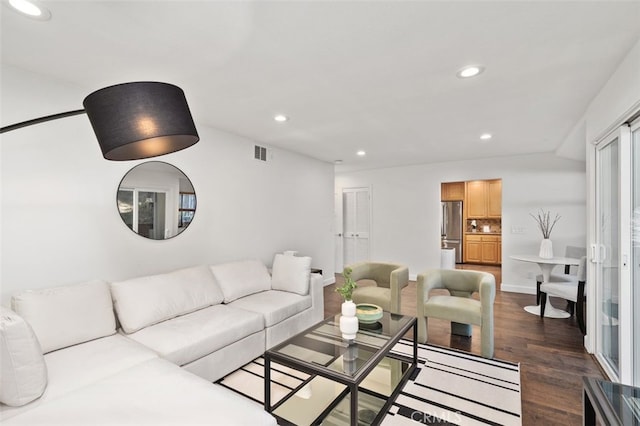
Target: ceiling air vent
{"x": 260, "y": 153}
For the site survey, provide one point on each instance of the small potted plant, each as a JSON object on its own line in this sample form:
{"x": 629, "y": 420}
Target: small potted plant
{"x": 348, "y": 319}
{"x": 346, "y": 290}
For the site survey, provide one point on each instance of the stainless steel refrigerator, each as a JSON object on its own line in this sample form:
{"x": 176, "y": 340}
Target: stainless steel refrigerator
{"x": 451, "y": 226}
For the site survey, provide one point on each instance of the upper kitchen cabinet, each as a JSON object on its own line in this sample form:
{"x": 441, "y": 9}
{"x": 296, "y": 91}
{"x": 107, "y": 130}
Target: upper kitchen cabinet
{"x": 484, "y": 199}
{"x": 494, "y": 198}
{"x": 476, "y": 199}
{"x": 452, "y": 191}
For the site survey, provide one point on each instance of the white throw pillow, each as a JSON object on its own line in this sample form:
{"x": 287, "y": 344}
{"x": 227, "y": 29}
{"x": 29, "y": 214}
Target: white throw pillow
{"x": 23, "y": 372}
{"x": 239, "y": 279}
{"x": 291, "y": 273}
{"x": 144, "y": 301}
{"x": 68, "y": 315}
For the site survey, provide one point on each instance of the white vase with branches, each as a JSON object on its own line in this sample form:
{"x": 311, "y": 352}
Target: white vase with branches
{"x": 546, "y": 224}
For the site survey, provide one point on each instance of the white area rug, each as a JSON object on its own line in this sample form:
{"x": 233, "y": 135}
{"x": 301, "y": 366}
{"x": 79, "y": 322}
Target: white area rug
{"x": 449, "y": 388}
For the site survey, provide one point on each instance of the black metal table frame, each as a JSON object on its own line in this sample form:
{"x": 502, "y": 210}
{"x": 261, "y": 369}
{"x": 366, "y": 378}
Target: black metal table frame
{"x": 351, "y": 383}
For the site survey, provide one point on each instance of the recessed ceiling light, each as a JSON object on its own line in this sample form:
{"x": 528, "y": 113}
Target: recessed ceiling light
{"x": 485, "y": 136}
{"x": 361, "y": 153}
{"x": 280, "y": 118}
{"x": 32, "y": 9}
{"x": 470, "y": 71}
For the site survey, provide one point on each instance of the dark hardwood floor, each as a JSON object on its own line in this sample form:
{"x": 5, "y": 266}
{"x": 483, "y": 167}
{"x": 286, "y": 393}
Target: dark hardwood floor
{"x": 550, "y": 351}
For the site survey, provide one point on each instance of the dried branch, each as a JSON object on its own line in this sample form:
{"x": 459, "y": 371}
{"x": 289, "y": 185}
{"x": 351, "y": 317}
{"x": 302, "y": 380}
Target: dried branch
{"x": 545, "y": 223}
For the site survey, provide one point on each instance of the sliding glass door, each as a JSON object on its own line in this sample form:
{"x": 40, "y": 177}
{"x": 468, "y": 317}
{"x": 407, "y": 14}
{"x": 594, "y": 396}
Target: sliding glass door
{"x": 605, "y": 253}
{"x": 615, "y": 255}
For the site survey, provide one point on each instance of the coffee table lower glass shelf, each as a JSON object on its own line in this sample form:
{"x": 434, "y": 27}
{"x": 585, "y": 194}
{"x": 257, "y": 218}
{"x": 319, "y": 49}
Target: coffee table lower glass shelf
{"x": 350, "y": 382}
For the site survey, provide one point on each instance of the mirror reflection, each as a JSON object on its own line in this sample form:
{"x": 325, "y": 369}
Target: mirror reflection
{"x": 156, "y": 200}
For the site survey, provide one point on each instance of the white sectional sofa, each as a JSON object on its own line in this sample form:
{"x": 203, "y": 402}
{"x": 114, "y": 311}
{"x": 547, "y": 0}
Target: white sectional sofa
{"x": 145, "y": 350}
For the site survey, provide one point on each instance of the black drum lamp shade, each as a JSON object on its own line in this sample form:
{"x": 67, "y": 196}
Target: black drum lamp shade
{"x": 140, "y": 120}
{"x": 135, "y": 120}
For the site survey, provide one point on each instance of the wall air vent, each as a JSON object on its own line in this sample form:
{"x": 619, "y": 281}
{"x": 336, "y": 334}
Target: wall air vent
{"x": 260, "y": 153}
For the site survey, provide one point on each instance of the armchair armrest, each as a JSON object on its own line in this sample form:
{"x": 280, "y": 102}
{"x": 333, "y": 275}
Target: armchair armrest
{"x": 399, "y": 279}
{"x": 316, "y": 290}
{"x": 427, "y": 281}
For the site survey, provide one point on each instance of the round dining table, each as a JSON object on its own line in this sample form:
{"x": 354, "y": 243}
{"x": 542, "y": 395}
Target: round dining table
{"x": 546, "y": 266}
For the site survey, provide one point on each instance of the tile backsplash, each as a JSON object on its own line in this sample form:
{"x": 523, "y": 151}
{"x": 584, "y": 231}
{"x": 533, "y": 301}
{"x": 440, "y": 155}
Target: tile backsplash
{"x": 495, "y": 225}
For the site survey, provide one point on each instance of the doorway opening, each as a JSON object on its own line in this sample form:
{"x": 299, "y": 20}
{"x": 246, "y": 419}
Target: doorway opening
{"x": 471, "y": 222}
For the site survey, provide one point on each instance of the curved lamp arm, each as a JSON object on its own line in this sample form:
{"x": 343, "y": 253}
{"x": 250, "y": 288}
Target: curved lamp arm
{"x": 41, "y": 120}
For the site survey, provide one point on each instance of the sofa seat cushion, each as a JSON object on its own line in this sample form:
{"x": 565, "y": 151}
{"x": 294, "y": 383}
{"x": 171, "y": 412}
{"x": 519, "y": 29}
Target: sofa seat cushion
{"x": 153, "y": 393}
{"x": 78, "y": 366}
{"x": 151, "y": 299}
{"x": 67, "y": 315}
{"x": 275, "y": 306}
{"x": 187, "y": 338}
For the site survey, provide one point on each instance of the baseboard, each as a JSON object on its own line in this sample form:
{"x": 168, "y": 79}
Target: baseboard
{"x": 515, "y": 288}
{"x": 413, "y": 277}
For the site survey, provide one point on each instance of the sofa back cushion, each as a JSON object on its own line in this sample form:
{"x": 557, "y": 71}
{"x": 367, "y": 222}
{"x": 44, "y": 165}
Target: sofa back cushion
{"x": 23, "y": 372}
{"x": 242, "y": 278}
{"x": 291, "y": 273}
{"x": 68, "y": 315}
{"x": 144, "y": 301}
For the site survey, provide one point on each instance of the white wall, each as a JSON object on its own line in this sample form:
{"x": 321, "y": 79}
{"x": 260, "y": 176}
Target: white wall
{"x": 60, "y": 223}
{"x": 406, "y": 209}
{"x": 619, "y": 97}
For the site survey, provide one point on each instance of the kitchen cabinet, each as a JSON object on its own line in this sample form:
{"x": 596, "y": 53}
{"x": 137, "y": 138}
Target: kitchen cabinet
{"x": 473, "y": 249}
{"x": 476, "y": 199}
{"x": 494, "y": 198}
{"x": 452, "y": 191}
{"x": 483, "y": 199}
{"x": 483, "y": 249}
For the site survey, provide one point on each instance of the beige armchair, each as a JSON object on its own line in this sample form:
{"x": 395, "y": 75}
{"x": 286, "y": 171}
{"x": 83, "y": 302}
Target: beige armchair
{"x": 458, "y": 306}
{"x": 390, "y": 279}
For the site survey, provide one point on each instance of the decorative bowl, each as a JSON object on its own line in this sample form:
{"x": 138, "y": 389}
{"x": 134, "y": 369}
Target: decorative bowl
{"x": 368, "y": 313}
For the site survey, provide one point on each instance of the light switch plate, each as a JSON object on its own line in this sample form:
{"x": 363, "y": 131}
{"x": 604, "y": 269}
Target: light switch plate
{"x": 518, "y": 229}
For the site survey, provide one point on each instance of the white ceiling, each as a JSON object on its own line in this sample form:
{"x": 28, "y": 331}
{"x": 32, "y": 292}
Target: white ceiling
{"x": 377, "y": 76}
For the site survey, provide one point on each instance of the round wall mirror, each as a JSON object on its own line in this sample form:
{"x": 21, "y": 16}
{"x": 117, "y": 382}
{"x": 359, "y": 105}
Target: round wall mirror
{"x": 156, "y": 200}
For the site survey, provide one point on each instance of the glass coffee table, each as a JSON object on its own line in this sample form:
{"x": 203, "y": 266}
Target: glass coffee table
{"x": 350, "y": 382}
{"x": 609, "y": 403}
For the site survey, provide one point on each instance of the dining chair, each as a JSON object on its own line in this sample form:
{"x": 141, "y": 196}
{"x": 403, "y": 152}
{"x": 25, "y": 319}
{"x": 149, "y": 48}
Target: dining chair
{"x": 570, "y": 251}
{"x": 573, "y": 291}
{"x": 389, "y": 280}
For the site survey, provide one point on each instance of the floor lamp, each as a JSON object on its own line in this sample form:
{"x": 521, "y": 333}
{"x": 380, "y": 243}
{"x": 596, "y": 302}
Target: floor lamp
{"x": 134, "y": 120}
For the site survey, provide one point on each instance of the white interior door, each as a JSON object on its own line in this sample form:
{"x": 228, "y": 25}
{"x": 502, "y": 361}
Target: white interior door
{"x": 356, "y": 207}
{"x": 339, "y": 232}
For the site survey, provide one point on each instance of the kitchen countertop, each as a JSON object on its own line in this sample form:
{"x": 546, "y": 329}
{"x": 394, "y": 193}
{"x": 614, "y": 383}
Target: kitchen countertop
{"x": 483, "y": 233}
